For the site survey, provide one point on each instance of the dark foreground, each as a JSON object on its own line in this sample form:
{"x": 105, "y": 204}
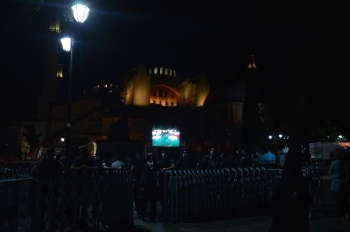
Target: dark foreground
{"x": 326, "y": 220}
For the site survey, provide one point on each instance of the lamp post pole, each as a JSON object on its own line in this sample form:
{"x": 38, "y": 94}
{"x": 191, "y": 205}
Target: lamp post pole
{"x": 276, "y": 151}
{"x": 69, "y": 107}
{"x": 80, "y": 13}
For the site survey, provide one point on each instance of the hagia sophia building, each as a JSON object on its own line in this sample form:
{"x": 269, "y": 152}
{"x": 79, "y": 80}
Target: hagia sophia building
{"x": 145, "y": 97}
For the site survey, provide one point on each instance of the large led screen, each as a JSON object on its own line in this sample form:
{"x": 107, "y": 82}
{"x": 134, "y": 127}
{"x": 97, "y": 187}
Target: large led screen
{"x": 165, "y": 136}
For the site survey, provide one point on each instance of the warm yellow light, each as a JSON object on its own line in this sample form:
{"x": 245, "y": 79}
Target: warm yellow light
{"x": 55, "y": 25}
{"x": 60, "y": 71}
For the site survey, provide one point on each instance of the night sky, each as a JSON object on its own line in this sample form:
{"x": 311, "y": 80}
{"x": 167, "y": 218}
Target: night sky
{"x": 298, "y": 46}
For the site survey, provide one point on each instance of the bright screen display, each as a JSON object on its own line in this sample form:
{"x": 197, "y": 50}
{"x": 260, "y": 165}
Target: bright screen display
{"x": 165, "y": 136}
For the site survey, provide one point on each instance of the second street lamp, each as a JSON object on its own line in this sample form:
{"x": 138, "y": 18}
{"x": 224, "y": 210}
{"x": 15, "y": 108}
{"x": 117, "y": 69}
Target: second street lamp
{"x": 80, "y": 13}
{"x": 276, "y": 152}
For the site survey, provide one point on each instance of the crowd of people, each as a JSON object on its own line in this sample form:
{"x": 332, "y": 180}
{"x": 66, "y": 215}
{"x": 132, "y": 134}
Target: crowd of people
{"x": 147, "y": 170}
{"x": 149, "y": 180}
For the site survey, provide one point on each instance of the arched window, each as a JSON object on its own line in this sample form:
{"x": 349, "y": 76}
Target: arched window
{"x": 161, "y": 71}
{"x": 150, "y": 70}
{"x": 170, "y": 72}
{"x": 174, "y": 73}
{"x": 166, "y": 72}
{"x": 165, "y": 93}
{"x": 157, "y": 93}
{"x": 155, "y": 70}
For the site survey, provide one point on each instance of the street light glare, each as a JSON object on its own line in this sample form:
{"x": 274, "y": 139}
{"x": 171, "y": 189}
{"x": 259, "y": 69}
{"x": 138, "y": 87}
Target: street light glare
{"x": 66, "y": 43}
{"x": 80, "y": 12}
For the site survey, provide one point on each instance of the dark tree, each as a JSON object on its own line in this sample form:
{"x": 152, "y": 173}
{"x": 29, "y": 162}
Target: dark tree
{"x": 308, "y": 119}
{"x": 252, "y": 127}
{"x": 31, "y": 136}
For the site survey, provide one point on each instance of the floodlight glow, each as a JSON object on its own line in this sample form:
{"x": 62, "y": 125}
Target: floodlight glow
{"x": 80, "y": 12}
{"x": 66, "y": 44}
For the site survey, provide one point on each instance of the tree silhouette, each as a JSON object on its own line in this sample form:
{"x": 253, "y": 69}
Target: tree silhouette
{"x": 252, "y": 127}
{"x": 31, "y": 137}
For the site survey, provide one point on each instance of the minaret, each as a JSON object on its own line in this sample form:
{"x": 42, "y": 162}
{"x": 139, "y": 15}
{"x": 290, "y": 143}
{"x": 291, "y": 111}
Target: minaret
{"x": 49, "y": 89}
{"x": 141, "y": 83}
{"x": 251, "y": 69}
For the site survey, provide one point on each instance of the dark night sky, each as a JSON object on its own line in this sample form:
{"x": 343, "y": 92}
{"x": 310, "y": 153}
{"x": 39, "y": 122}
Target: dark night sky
{"x": 298, "y": 46}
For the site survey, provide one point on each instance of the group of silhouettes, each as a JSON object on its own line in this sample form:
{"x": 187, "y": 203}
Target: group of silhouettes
{"x": 292, "y": 202}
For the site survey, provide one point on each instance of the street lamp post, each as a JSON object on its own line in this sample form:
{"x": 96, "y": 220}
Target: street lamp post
{"x": 62, "y": 140}
{"x": 80, "y": 13}
{"x": 274, "y": 137}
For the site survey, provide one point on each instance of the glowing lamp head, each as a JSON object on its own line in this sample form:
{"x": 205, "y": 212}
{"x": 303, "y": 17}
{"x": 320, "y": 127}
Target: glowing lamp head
{"x": 80, "y": 12}
{"x": 66, "y": 44}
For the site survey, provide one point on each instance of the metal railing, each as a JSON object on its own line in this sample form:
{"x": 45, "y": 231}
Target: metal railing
{"x": 195, "y": 195}
{"x": 105, "y": 201}
{"x": 67, "y": 202}
{"x": 14, "y": 196}
{"x": 204, "y": 194}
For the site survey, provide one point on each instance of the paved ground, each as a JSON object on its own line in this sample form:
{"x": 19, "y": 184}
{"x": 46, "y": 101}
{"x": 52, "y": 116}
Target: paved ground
{"x": 326, "y": 221}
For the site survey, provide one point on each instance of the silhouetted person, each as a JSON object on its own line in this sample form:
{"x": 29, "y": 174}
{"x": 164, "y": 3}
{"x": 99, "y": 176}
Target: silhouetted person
{"x": 202, "y": 164}
{"x": 83, "y": 165}
{"x": 214, "y": 159}
{"x": 339, "y": 183}
{"x": 137, "y": 164}
{"x": 149, "y": 188}
{"x": 185, "y": 162}
{"x": 227, "y": 160}
{"x": 165, "y": 163}
{"x": 48, "y": 171}
{"x": 119, "y": 164}
{"x": 292, "y": 199}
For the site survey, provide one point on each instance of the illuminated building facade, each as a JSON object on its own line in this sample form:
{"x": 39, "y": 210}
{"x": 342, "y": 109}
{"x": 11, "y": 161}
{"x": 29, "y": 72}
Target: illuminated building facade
{"x": 130, "y": 107}
{"x": 161, "y": 86}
